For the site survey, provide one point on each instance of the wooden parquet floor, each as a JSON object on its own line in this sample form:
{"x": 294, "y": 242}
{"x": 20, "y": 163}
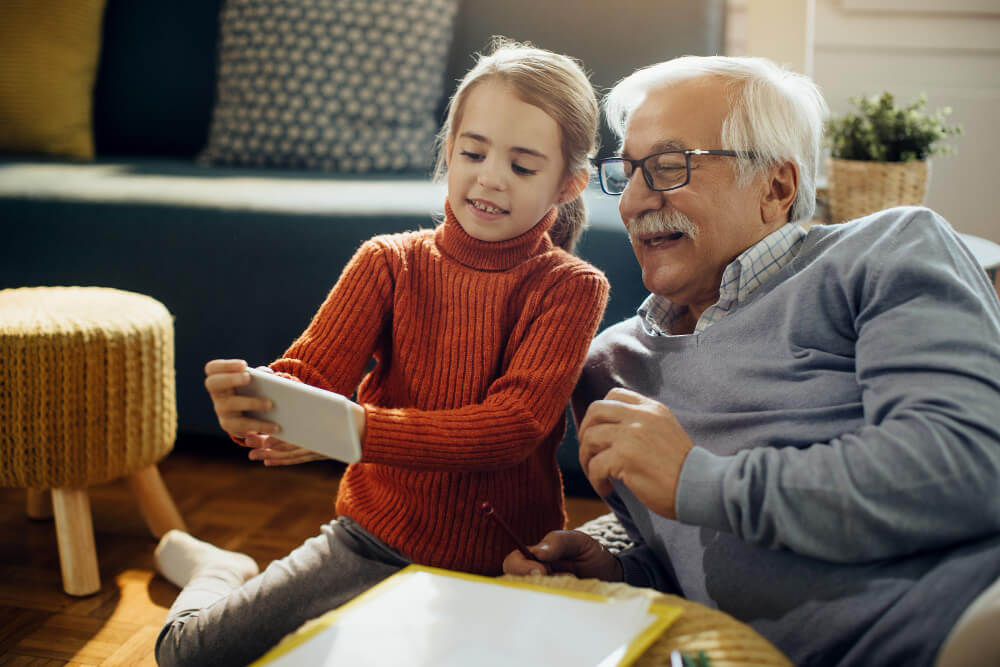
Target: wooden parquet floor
{"x": 227, "y": 500}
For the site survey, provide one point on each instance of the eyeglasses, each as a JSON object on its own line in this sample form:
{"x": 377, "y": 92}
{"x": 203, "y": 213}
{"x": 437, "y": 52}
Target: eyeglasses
{"x": 667, "y": 170}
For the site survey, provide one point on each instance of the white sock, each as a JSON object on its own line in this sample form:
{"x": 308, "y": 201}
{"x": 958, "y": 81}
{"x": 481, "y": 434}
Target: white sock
{"x": 180, "y": 556}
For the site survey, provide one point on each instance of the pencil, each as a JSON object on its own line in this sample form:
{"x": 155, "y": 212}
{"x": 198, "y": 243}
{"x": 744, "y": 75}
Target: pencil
{"x": 490, "y": 512}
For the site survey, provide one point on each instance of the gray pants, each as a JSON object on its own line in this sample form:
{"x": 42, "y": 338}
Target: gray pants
{"x": 219, "y": 620}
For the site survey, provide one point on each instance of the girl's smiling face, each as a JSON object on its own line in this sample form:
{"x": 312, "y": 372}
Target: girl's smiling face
{"x": 505, "y": 164}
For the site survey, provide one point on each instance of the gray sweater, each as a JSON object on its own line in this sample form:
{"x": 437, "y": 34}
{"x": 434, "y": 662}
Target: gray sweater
{"x": 843, "y": 495}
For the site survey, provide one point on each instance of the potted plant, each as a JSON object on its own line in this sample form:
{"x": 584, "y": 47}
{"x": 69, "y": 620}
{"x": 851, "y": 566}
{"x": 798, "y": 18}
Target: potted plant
{"x": 879, "y": 154}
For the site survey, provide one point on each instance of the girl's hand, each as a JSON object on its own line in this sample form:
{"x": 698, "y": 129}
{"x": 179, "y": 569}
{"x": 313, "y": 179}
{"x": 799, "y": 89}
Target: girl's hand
{"x": 276, "y": 452}
{"x": 222, "y": 376}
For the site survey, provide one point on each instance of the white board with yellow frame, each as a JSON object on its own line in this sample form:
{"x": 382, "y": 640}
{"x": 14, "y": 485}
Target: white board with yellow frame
{"x": 428, "y": 616}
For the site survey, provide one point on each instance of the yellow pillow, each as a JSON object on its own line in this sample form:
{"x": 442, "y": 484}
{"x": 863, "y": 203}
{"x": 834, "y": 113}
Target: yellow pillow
{"x": 48, "y": 63}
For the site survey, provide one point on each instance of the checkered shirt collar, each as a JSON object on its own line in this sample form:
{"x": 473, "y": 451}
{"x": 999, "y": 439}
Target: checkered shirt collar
{"x": 752, "y": 268}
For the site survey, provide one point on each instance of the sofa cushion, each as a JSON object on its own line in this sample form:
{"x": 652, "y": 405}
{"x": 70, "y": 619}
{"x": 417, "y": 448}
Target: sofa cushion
{"x": 48, "y": 62}
{"x": 180, "y": 185}
{"x": 338, "y": 85}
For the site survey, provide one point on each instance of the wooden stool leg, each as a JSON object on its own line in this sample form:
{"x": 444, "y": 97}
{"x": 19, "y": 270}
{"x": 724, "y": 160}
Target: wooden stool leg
{"x": 39, "y": 504}
{"x": 75, "y": 534}
{"x": 155, "y": 503}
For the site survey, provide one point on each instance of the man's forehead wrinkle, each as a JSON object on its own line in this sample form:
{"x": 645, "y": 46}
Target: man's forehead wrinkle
{"x": 691, "y": 103}
{"x": 650, "y": 128}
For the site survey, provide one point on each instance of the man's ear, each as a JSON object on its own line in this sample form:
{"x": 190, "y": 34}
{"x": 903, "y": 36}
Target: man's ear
{"x": 573, "y": 185}
{"x": 780, "y": 191}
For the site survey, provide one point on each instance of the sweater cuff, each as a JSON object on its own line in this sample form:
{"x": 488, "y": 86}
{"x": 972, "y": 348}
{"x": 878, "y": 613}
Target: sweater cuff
{"x": 699, "y": 490}
{"x": 388, "y": 438}
{"x": 633, "y": 573}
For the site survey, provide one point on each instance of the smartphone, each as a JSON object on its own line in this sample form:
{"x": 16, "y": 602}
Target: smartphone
{"x": 309, "y": 417}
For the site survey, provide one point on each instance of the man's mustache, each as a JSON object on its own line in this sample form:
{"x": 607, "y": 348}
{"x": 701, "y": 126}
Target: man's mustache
{"x": 664, "y": 221}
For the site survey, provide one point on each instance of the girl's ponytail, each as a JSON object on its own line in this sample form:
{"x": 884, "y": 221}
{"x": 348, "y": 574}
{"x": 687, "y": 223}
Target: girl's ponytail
{"x": 570, "y": 223}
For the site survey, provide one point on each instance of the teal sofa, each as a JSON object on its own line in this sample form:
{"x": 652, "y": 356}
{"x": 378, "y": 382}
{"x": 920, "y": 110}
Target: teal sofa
{"x": 243, "y": 257}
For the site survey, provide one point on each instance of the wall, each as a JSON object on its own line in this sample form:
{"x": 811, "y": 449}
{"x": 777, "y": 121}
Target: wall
{"x": 949, "y": 49}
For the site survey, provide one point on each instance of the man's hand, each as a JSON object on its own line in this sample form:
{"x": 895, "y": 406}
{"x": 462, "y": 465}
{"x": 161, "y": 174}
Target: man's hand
{"x": 566, "y": 551}
{"x": 637, "y": 440}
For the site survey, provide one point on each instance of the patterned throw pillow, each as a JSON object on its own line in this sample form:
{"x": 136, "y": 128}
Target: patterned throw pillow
{"x": 338, "y": 85}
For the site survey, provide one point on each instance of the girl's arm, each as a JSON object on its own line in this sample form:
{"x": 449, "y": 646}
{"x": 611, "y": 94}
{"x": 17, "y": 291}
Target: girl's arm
{"x": 333, "y": 351}
{"x": 336, "y": 346}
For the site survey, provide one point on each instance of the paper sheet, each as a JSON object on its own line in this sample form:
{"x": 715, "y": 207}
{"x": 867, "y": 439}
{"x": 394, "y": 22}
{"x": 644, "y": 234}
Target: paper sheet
{"x": 426, "y": 618}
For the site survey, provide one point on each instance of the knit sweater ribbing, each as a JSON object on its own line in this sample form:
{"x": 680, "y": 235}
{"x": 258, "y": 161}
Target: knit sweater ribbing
{"x": 477, "y": 348}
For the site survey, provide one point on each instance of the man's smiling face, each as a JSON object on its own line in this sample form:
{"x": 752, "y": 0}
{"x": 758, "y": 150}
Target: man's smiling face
{"x": 685, "y": 238}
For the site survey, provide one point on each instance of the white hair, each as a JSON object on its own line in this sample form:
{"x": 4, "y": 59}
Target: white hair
{"x": 775, "y": 113}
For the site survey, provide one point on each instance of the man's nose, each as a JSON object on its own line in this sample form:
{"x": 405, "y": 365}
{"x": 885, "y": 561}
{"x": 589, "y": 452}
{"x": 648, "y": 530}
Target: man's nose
{"x": 639, "y": 198}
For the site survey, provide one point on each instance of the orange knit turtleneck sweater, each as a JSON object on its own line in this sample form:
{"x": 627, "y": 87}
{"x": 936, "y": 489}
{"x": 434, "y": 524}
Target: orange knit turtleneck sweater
{"x": 477, "y": 348}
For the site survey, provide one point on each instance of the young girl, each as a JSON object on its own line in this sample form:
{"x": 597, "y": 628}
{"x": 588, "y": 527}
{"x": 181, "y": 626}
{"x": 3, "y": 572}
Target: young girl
{"x": 479, "y": 329}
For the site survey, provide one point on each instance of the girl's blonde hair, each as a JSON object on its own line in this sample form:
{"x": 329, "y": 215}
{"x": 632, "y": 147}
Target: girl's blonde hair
{"x": 556, "y": 84}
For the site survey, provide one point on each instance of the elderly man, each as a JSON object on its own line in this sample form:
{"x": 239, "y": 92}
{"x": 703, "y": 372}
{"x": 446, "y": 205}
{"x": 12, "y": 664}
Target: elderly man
{"x": 801, "y": 428}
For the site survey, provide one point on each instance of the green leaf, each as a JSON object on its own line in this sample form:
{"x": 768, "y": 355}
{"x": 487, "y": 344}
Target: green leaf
{"x": 700, "y": 660}
{"x": 880, "y": 130}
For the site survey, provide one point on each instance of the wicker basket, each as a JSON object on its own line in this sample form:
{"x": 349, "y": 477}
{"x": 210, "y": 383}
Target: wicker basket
{"x": 860, "y": 187}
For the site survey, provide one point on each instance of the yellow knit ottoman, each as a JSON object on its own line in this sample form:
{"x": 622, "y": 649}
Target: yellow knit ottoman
{"x": 86, "y": 396}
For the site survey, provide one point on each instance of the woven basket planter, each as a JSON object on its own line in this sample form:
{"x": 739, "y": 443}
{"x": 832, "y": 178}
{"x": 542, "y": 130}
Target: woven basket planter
{"x": 860, "y": 187}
